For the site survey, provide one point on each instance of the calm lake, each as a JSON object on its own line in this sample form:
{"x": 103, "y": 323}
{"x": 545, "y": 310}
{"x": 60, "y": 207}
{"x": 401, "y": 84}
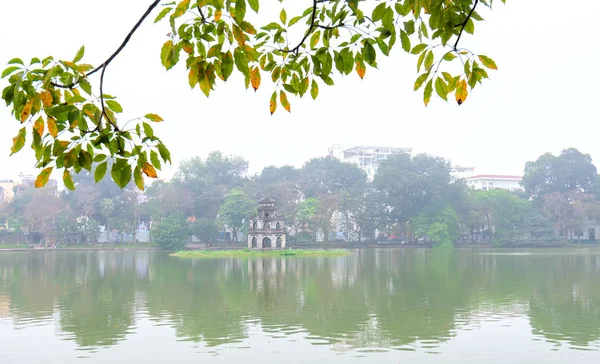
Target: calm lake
{"x": 383, "y": 306}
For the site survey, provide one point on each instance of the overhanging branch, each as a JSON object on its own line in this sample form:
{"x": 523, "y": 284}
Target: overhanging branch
{"x": 464, "y": 24}
{"x": 116, "y": 53}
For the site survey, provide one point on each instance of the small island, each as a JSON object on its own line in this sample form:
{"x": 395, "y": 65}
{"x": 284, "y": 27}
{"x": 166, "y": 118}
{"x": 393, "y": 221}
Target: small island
{"x": 248, "y": 253}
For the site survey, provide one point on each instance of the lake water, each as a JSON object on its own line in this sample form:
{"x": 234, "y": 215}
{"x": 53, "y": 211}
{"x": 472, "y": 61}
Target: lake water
{"x": 376, "y": 306}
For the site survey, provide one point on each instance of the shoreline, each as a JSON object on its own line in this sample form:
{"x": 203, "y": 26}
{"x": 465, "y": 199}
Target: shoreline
{"x": 246, "y": 253}
{"x": 315, "y": 247}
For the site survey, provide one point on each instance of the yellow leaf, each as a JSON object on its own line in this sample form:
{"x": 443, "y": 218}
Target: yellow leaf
{"x": 218, "y": 14}
{"x": 488, "y": 62}
{"x": 188, "y": 48}
{"x": 360, "y": 69}
{"x": 204, "y": 81}
{"x": 26, "y": 110}
{"x": 149, "y": 170}
{"x": 46, "y": 97}
{"x": 273, "y": 103}
{"x": 255, "y": 78}
{"x": 284, "y": 101}
{"x": 43, "y": 177}
{"x": 154, "y": 117}
{"x": 461, "y": 92}
{"x": 239, "y": 35}
{"x": 39, "y": 126}
{"x": 52, "y": 128}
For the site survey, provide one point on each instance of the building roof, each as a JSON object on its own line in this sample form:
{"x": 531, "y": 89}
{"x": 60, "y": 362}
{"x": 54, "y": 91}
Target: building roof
{"x": 360, "y": 147}
{"x": 495, "y": 176}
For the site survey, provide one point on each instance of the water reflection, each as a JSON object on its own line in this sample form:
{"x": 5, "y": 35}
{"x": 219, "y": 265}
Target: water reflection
{"x": 374, "y": 300}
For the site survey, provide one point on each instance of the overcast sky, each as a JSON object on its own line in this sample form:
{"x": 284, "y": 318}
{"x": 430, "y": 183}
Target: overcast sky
{"x": 543, "y": 98}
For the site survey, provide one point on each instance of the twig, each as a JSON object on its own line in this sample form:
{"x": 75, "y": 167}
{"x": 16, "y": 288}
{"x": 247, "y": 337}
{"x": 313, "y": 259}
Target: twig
{"x": 464, "y": 23}
{"x": 116, "y": 53}
{"x": 310, "y": 28}
{"x": 201, "y": 14}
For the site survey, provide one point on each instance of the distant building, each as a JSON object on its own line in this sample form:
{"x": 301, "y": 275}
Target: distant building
{"x": 267, "y": 229}
{"x": 6, "y": 190}
{"x": 494, "y": 181}
{"x": 366, "y": 158}
{"x": 462, "y": 172}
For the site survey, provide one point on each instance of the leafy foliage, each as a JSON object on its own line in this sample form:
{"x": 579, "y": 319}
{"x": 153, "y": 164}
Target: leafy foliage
{"x": 171, "y": 233}
{"x": 70, "y": 124}
{"x": 236, "y": 210}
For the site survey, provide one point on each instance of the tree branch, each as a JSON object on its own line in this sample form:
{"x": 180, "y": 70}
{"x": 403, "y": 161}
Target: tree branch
{"x": 201, "y": 13}
{"x": 116, "y": 53}
{"x": 464, "y": 23}
{"x": 310, "y": 28}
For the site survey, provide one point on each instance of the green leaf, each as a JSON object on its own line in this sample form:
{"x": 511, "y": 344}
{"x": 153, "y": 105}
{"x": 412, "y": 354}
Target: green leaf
{"x": 418, "y": 48}
{"x": 68, "y": 180}
{"x": 154, "y": 117}
{"x": 138, "y": 178}
{"x": 283, "y": 16}
{"x": 488, "y": 62}
{"x": 420, "y": 80}
{"x": 85, "y": 86}
{"x": 427, "y": 93}
{"x": 241, "y": 61}
{"x": 368, "y": 53}
{"x": 449, "y": 56}
{"x": 314, "y": 89}
{"x": 405, "y": 41}
{"x": 114, "y": 106}
{"x": 164, "y": 153}
{"x": 79, "y": 54}
{"x": 148, "y": 131}
{"x": 166, "y": 55}
{"x": 121, "y": 172}
{"x": 470, "y": 26}
{"x": 227, "y": 65}
{"x": 16, "y": 61}
{"x": 379, "y": 11}
{"x": 18, "y": 141}
{"x": 162, "y": 14}
{"x": 154, "y": 159}
{"x": 441, "y": 88}
{"x": 100, "y": 171}
{"x": 254, "y": 4}
{"x": 85, "y": 160}
{"x": 240, "y": 10}
{"x": 314, "y": 39}
{"x": 428, "y": 60}
{"x": 181, "y": 8}
{"x": 9, "y": 70}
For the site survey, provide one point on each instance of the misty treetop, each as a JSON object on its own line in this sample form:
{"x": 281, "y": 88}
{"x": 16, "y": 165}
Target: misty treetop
{"x": 71, "y": 122}
{"x": 414, "y": 199}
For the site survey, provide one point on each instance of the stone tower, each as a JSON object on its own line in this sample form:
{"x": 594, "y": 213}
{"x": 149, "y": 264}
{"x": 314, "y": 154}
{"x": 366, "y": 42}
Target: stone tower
{"x": 267, "y": 229}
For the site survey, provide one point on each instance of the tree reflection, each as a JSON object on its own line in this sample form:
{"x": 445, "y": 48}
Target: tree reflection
{"x": 375, "y": 298}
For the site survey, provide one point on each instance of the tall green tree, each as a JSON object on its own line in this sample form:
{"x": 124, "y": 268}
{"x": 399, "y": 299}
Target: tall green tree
{"x": 236, "y": 210}
{"x": 328, "y": 175}
{"x": 410, "y": 184}
{"x": 569, "y": 171}
{"x": 300, "y": 53}
{"x": 208, "y": 180}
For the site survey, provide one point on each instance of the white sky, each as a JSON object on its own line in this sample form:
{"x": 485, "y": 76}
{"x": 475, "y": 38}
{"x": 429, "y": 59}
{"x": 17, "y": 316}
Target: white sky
{"x": 543, "y": 98}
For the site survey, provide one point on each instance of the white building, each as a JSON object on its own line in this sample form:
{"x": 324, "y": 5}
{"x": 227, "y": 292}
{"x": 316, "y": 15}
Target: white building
{"x": 494, "y": 181}
{"x": 462, "y": 172}
{"x": 366, "y": 158}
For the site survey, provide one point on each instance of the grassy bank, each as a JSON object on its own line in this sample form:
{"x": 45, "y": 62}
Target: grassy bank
{"x": 246, "y": 253}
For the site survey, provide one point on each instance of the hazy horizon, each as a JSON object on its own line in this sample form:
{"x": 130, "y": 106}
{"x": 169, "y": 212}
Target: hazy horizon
{"x": 532, "y": 105}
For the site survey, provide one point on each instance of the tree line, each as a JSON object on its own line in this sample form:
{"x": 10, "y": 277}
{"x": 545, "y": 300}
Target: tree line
{"x": 411, "y": 200}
